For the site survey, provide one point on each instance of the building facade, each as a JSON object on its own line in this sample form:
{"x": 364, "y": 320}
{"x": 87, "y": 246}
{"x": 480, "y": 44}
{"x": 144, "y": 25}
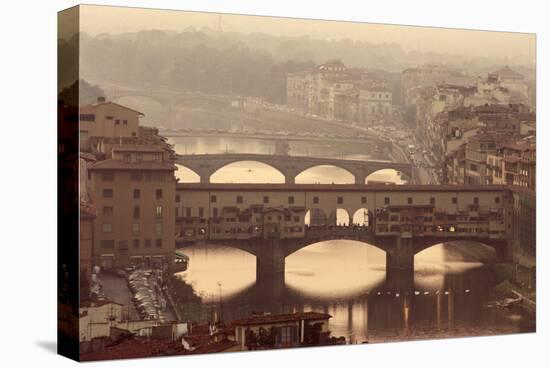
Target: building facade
{"x": 106, "y": 120}
{"x": 336, "y": 92}
{"x": 134, "y": 195}
{"x": 243, "y": 214}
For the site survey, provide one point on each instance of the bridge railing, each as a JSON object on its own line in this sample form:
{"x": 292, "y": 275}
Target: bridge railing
{"x": 336, "y": 230}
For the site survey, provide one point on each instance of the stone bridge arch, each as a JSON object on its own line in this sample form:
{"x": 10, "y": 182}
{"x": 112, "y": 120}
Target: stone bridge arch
{"x": 500, "y": 247}
{"x": 363, "y": 238}
{"x": 215, "y": 169}
{"x": 368, "y": 177}
{"x": 179, "y": 165}
{"x": 305, "y": 167}
{"x": 289, "y": 166}
{"x": 246, "y": 246}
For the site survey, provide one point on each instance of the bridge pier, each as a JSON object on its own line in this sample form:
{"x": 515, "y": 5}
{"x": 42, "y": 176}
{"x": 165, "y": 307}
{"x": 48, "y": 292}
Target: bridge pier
{"x": 270, "y": 260}
{"x": 290, "y": 178}
{"x": 400, "y": 265}
{"x": 400, "y": 254}
{"x": 504, "y": 251}
{"x": 359, "y": 178}
{"x": 399, "y": 280}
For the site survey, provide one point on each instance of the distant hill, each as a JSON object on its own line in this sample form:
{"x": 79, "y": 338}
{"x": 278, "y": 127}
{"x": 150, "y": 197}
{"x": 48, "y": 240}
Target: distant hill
{"x": 252, "y": 64}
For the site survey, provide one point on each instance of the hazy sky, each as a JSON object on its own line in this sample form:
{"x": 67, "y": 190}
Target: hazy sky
{"x": 517, "y": 46}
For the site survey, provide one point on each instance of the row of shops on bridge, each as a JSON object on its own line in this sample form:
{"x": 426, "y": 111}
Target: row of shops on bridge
{"x": 257, "y": 221}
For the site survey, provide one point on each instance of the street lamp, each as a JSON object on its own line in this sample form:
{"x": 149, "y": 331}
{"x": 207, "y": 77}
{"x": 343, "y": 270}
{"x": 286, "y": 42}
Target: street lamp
{"x": 221, "y": 304}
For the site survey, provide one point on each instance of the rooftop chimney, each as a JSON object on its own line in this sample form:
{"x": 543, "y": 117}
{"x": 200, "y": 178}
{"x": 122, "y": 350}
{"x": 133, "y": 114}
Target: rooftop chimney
{"x": 100, "y": 99}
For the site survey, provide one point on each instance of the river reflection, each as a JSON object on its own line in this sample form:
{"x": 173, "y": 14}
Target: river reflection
{"x": 346, "y": 279}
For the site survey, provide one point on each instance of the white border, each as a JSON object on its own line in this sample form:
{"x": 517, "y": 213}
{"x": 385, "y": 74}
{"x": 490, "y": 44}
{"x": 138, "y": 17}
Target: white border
{"x": 28, "y": 205}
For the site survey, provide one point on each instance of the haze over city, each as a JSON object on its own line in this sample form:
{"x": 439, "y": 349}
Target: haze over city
{"x": 470, "y": 44}
{"x": 259, "y": 183}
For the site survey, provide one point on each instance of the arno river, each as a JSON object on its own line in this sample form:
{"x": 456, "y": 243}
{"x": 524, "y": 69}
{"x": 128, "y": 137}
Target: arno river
{"x": 346, "y": 279}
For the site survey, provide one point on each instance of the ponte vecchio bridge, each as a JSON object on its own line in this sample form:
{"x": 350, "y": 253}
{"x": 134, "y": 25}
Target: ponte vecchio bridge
{"x": 272, "y": 221}
{"x": 205, "y": 165}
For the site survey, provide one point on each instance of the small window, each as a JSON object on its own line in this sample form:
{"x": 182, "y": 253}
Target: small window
{"x": 454, "y": 200}
{"x": 497, "y": 199}
{"x": 137, "y": 193}
{"x": 135, "y": 228}
{"x": 122, "y": 245}
{"x": 125, "y": 122}
{"x": 107, "y": 227}
{"x": 107, "y": 210}
{"x": 107, "y": 244}
{"x": 476, "y": 200}
{"x": 409, "y": 200}
{"x": 201, "y": 212}
{"x": 136, "y": 213}
{"x": 291, "y": 199}
{"x": 239, "y": 199}
{"x": 266, "y": 199}
{"x": 158, "y": 242}
{"x": 315, "y": 200}
{"x": 159, "y": 194}
{"x": 117, "y": 122}
{"x": 386, "y": 200}
{"x": 215, "y": 212}
{"x": 107, "y": 176}
{"x": 363, "y": 200}
{"x": 107, "y": 193}
{"x": 158, "y": 211}
{"x": 147, "y": 242}
{"x": 136, "y": 243}
{"x": 432, "y": 201}
{"x": 213, "y": 198}
{"x": 340, "y": 200}
{"x": 177, "y": 198}
{"x": 158, "y": 229}
{"x": 87, "y": 117}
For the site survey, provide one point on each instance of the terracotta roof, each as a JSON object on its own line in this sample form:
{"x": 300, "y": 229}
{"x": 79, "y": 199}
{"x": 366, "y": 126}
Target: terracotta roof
{"x": 99, "y": 303}
{"x": 87, "y": 156}
{"x": 520, "y": 147}
{"x": 114, "y": 164}
{"x": 507, "y": 72}
{"x": 99, "y": 104}
{"x": 134, "y": 348}
{"x": 87, "y": 211}
{"x": 283, "y": 318}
